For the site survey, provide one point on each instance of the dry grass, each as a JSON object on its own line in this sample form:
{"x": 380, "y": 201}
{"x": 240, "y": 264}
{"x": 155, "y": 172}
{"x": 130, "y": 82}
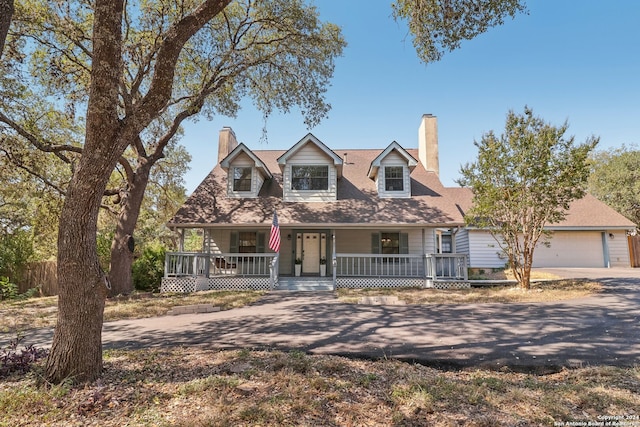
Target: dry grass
{"x": 546, "y": 291}
{"x": 42, "y": 312}
{"x": 507, "y": 274}
{"x": 196, "y": 387}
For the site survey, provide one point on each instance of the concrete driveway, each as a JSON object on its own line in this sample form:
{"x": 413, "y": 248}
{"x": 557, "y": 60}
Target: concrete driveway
{"x": 603, "y": 329}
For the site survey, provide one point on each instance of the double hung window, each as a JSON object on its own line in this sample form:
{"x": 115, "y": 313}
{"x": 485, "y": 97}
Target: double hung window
{"x": 310, "y": 177}
{"x": 241, "y": 179}
{"x": 394, "y": 178}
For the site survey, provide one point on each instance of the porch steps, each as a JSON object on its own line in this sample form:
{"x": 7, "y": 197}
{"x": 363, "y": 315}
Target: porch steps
{"x": 311, "y": 284}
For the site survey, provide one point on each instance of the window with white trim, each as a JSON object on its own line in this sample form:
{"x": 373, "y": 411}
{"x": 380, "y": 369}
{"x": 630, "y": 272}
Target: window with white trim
{"x": 310, "y": 178}
{"x": 241, "y": 179}
{"x": 394, "y": 178}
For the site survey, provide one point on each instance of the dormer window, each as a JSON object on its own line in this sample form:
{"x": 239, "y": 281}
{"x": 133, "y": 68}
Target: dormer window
{"x": 242, "y": 179}
{"x": 394, "y": 178}
{"x": 310, "y": 178}
{"x": 391, "y": 171}
{"x": 245, "y": 173}
{"x": 310, "y": 172}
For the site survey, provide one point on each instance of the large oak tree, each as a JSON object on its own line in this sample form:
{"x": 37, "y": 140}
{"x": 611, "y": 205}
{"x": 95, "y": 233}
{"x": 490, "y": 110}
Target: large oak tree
{"x": 278, "y": 53}
{"x": 124, "y": 107}
{"x": 143, "y": 79}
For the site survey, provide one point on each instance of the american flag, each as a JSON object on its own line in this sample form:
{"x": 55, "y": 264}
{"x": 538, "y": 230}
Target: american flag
{"x": 274, "y": 236}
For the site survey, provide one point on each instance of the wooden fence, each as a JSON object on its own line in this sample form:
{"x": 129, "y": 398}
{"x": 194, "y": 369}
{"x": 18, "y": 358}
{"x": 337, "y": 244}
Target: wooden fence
{"x": 43, "y": 275}
{"x": 634, "y": 250}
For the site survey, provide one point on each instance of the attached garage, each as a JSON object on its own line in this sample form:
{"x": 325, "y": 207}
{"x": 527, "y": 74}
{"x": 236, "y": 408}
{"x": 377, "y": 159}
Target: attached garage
{"x": 572, "y": 249}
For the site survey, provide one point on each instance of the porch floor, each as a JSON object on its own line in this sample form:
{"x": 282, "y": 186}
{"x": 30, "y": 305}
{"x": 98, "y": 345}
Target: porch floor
{"x": 302, "y": 283}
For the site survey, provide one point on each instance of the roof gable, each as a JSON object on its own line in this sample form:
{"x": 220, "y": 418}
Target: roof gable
{"x": 375, "y": 164}
{"x": 240, "y": 149}
{"x": 311, "y": 139}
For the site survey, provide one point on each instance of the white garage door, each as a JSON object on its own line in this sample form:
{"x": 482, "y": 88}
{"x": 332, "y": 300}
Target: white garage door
{"x": 571, "y": 249}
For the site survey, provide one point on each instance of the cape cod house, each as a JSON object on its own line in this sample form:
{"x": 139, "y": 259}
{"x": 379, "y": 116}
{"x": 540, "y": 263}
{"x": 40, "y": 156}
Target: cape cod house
{"x": 350, "y": 218}
{"x": 375, "y": 217}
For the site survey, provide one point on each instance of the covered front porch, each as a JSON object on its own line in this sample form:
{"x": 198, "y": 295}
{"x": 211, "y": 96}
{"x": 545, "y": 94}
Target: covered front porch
{"x": 314, "y": 257}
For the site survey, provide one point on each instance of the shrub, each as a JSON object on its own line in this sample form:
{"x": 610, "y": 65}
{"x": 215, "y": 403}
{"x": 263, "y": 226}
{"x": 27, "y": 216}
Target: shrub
{"x": 148, "y": 269}
{"x": 14, "y": 360}
{"x": 8, "y": 290}
{"x": 16, "y": 250}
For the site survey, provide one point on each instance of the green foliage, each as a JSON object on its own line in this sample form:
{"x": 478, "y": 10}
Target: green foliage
{"x": 615, "y": 179}
{"x": 103, "y": 241}
{"x": 439, "y": 26}
{"x": 148, "y": 269}
{"x": 193, "y": 240}
{"x": 522, "y": 181}
{"x": 16, "y": 250}
{"x": 8, "y": 290}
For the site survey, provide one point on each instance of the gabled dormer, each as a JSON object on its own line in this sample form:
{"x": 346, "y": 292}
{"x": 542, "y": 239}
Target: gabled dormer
{"x": 310, "y": 172}
{"x": 245, "y": 173}
{"x": 391, "y": 171}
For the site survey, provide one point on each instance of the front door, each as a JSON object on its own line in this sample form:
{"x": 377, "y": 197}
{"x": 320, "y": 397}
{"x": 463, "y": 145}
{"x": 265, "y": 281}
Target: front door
{"x": 311, "y": 253}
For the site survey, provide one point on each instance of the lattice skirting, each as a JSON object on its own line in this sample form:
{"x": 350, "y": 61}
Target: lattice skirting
{"x": 451, "y": 284}
{"x": 379, "y": 282}
{"x": 192, "y": 284}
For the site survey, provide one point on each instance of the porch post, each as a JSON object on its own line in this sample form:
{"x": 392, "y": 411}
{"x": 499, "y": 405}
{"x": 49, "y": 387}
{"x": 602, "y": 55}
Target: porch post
{"x": 454, "y": 231}
{"x": 181, "y": 241}
{"x": 334, "y": 262}
{"x": 424, "y": 257}
{"x": 272, "y": 271}
{"x": 166, "y": 265}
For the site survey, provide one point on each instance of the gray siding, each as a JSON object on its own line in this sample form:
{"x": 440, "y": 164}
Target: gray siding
{"x": 310, "y": 155}
{"x": 618, "y": 248}
{"x": 462, "y": 241}
{"x": 484, "y": 250}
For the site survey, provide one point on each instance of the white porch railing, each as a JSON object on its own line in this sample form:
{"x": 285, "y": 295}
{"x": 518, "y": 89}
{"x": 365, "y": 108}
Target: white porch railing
{"x": 379, "y": 265}
{"x": 430, "y": 266}
{"x": 446, "y": 266}
{"x": 179, "y": 264}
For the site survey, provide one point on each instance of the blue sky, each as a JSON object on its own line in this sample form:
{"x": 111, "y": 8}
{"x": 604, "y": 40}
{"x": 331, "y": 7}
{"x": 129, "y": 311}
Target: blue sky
{"x": 568, "y": 60}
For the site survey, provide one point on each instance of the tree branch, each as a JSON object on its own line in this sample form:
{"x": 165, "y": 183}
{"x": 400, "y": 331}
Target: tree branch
{"x": 48, "y": 147}
{"x": 175, "y": 38}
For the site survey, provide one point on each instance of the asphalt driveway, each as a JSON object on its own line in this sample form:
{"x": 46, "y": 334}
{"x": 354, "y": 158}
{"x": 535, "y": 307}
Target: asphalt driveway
{"x": 602, "y": 329}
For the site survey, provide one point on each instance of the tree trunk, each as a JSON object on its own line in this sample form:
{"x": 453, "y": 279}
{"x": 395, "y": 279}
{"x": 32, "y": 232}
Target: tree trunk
{"x": 120, "y": 270}
{"x": 76, "y": 351}
{"x": 6, "y": 13}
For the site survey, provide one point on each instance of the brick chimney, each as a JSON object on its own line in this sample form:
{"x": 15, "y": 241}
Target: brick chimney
{"x": 226, "y": 142}
{"x": 428, "y": 143}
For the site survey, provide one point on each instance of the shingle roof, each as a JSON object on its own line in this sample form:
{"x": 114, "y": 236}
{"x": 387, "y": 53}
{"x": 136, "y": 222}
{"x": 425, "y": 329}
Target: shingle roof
{"x": 358, "y": 201}
{"x": 588, "y": 212}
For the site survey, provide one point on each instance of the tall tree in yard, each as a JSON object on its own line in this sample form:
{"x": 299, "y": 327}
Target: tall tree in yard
{"x": 278, "y": 53}
{"x": 138, "y": 83}
{"x": 522, "y": 181}
{"x": 77, "y": 348}
{"x": 183, "y": 58}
